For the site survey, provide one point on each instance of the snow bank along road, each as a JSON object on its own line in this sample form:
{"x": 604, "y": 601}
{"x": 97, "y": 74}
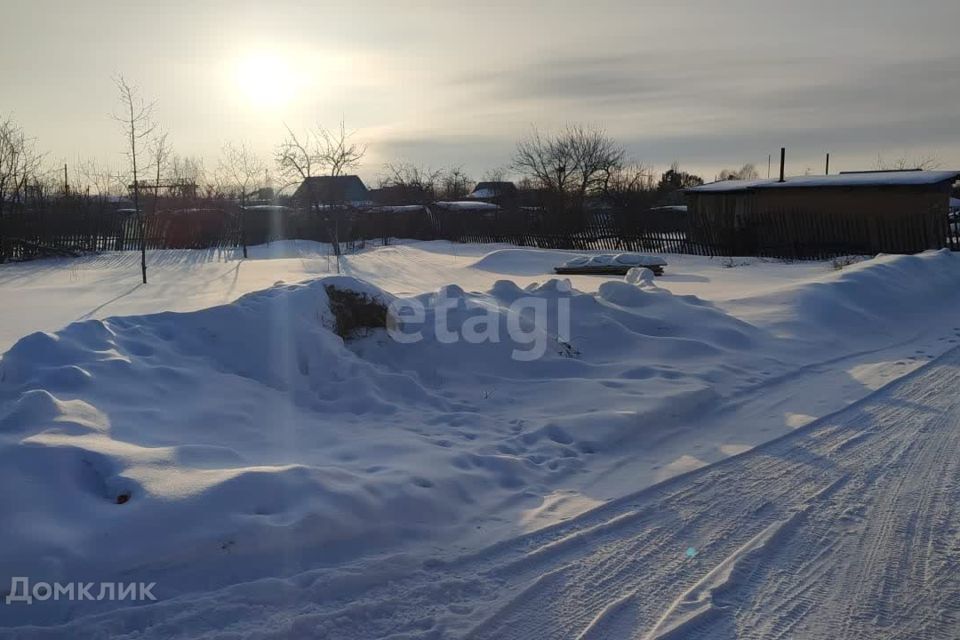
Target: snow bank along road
{"x": 846, "y": 528}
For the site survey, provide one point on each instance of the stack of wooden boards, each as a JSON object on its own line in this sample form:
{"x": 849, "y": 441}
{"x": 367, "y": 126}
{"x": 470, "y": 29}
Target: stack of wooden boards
{"x": 611, "y": 264}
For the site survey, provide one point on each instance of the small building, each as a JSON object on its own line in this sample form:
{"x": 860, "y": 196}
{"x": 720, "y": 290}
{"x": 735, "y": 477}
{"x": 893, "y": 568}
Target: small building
{"x": 331, "y": 191}
{"x": 856, "y": 212}
{"x": 495, "y": 192}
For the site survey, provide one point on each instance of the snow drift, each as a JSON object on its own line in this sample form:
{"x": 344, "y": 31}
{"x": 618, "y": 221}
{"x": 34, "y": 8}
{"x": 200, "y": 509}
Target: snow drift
{"x": 201, "y": 449}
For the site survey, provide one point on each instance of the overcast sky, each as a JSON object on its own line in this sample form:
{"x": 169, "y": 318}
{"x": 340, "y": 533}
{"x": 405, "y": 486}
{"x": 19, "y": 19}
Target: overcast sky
{"x": 707, "y": 83}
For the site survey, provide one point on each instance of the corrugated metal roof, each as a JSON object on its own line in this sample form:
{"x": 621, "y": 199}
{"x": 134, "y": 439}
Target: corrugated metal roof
{"x": 865, "y": 179}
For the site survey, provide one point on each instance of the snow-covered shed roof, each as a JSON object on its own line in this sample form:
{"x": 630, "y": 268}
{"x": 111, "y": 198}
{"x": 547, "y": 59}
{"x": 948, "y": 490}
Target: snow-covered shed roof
{"x": 851, "y": 179}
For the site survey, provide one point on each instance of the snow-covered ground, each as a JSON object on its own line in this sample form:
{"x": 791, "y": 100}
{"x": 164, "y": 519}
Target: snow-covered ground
{"x": 275, "y": 473}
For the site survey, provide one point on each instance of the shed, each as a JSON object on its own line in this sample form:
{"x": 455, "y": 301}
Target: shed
{"x": 331, "y": 190}
{"x": 853, "y": 212}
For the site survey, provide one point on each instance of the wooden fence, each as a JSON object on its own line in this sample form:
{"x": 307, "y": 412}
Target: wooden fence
{"x": 953, "y": 233}
{"x": 84, "y": 225}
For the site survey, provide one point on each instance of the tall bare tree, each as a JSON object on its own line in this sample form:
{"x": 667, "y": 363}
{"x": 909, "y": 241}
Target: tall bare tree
{"x": 20, "y": 164}
{"x": 99, "y": 178}
{"x": 297, "y": 158}
{"x": 497, "y": 174}
{"x": 925, "y": 162}
{"x": 413, "y": 183}
{"x": 631, "y": 186}
{"x": 571, "y": 164}
{"x": 136, "y": 119}
{"x": 240, "y": 169}
{"x": 746, "y": 172}
{"x": 338, "y": 153}
{"x": 185, "y": 175}
{"x": 455, "y": 184}
{"x": 160, "y": 154}
{"x": 319, "y": 151}
{"x": 243, "y": 171}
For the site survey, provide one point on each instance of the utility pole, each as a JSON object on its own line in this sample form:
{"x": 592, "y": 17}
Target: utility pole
{"x": 66, "y": 183}
{"x": 826, "y": 171}
{"x": 769, "y": 163}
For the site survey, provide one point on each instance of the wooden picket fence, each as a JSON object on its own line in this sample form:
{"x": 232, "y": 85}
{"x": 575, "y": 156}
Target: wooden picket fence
{"x": 83, "y": 225}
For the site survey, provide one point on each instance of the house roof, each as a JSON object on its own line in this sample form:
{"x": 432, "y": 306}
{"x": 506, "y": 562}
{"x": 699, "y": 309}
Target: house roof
{"x": 851, "y": 179}
{"x": 332, "y": 189}
{"x": 493, "y": 189}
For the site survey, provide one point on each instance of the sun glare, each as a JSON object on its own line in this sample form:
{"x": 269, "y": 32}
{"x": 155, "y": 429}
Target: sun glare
{"x": 266, "y": 80}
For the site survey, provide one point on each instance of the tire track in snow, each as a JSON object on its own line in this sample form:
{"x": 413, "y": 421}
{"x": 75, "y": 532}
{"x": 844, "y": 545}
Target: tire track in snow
{"x": 875, "y": 556}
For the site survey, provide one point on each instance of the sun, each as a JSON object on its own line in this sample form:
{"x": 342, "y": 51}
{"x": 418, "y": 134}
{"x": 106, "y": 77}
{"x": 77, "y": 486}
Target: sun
{"x": 266, "y": 80}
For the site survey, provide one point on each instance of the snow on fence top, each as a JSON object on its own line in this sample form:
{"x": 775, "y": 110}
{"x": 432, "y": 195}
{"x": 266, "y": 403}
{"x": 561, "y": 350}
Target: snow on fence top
{"x": 858, "y": 179}
{"x": 460, "y": 205}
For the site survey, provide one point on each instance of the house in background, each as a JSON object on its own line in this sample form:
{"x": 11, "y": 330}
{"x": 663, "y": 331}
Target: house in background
{"x": 498, "y": 193}
{"x": 867, "y": 212}
{"x": 331, "y": 191}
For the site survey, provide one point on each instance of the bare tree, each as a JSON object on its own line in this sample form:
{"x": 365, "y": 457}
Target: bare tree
{"x": 597, "y": 155}
{"x": 100, "y": 178}
{"x": 413, "y": 183}
{"x": 20, "y": 164}
{"x": 574, "y": 163}
{"x": 297, "y": 158}
{"x": 548, "y": 162}
{"x": 185, "y": 175}
{"x": 675, "y": 179}
{"x": 455, "y": 184}
{"x": 136, "y": 119}
{"x": 924, "y": 162}
{"x": 160, "y": 158}
{"x": 241, "y": 170}
{"x": 319, "y": 151}
{"x": 337, "y": 153}
{"x": 746, "y": 172}
{"x": 631, "y": 186}
{"x": 497, "y": 174}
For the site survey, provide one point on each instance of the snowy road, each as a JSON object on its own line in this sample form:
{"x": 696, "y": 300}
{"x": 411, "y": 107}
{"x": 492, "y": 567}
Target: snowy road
{"x": 847, "y": 528}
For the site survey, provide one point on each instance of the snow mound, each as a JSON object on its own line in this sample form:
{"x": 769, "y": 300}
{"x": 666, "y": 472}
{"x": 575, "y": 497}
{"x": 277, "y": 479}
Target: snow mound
{"x": 201, "y": 449}
{"x": 640, "y": 276}
{"x": 865, "y": 303}
{"x": 521, "y": 262}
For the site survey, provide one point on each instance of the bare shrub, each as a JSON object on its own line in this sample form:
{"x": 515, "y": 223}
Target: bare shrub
{"x": 355, "y": 313}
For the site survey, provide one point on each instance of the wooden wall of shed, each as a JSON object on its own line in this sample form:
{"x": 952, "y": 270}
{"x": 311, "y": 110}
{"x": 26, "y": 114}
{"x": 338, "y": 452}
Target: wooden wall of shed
{"x": 884, "y": 219}
{"x": 821, "y": 221}
{"x": 712, "y": 219}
